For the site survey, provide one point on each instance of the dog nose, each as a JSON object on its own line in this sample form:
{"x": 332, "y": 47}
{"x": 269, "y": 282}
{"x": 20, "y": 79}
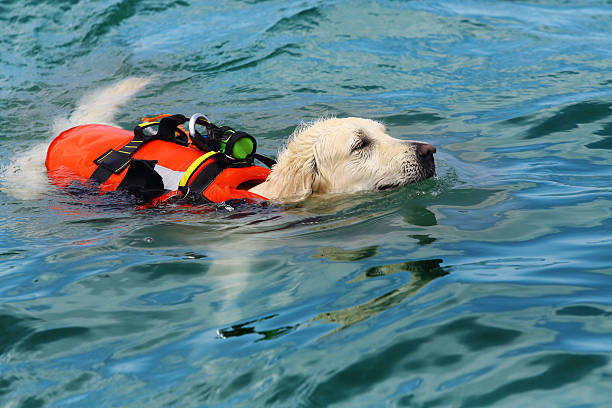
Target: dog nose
{"x": 425, "y": 150}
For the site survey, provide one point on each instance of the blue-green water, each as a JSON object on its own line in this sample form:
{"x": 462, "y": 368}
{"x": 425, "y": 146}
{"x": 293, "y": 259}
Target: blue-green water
{"x": 487, "y": 286}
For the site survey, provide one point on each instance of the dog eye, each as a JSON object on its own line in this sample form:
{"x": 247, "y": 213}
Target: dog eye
{"x": 361, "y": 142}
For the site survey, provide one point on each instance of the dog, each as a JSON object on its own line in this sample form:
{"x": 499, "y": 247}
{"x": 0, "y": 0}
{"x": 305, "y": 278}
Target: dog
{"x": 334, "y": 155}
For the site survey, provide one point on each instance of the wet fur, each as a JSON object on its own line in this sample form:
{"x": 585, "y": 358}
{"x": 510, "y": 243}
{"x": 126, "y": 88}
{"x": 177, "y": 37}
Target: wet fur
{"x": 343, "y": 156}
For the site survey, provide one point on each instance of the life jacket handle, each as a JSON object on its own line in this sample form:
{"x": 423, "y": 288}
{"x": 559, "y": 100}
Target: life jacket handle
{"x": 168, "y": 130}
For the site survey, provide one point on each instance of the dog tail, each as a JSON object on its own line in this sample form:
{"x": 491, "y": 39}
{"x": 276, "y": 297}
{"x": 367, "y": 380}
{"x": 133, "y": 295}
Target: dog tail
{"x": 25, "y": 176}
{"x": 101, "y": 105}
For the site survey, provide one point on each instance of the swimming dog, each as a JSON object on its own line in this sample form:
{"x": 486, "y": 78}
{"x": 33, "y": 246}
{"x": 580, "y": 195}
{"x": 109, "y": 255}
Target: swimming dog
{"x": 335, "y": 155}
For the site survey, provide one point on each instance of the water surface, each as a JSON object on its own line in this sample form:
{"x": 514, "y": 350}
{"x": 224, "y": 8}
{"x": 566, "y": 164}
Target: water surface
{"x": 486, "y": 286}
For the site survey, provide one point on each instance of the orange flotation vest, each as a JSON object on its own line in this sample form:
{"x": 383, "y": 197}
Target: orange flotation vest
{"x": 151, "y": 169}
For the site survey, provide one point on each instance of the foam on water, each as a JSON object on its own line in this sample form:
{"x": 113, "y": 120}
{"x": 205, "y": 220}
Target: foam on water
{"x": 25, "y": 176}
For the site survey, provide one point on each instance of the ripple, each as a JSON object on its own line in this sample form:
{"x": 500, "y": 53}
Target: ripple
{"x": 15, "y": 328}
{"x": 606, "y": 142}
{"x": 302, "y": 21}
{"x": 43, "y": 338}
{"x": 570, "y": 117}
{"x": 582, "y": 311}
{"x": 556, "y": 371}
{"x": 111, "y": 18}
{"x": 363, "y": 375}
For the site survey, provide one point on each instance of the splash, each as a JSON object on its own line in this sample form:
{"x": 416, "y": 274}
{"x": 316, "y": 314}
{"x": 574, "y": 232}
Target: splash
{"x": 25, "y": 177}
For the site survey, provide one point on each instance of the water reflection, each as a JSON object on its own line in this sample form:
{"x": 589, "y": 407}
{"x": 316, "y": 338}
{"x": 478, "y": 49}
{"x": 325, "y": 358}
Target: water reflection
{"x": 346, "y": 255}
{"x": 249, "y": 328}
{"x": 417, "y": 214}
{"x": 422, "y": 272}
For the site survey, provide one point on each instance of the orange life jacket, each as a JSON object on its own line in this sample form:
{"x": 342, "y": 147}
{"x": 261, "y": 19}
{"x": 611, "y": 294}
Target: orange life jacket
{"x": 157, "y": 171}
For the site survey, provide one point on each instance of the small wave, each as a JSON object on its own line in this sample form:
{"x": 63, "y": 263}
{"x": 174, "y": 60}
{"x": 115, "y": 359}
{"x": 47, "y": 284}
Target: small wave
{"x": 120, "y": 12}
{"x": 606, "y": 141}
{"x": 244, "y": 62}
{"x": 113, "y": 16}
{"x": 411, "y": 117}
{"x": 365, "y": 88}
{"x": 569, "y": 118}
{"x": 305, "y": 20}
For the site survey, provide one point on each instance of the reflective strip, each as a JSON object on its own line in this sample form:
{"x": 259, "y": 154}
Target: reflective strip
{"x": 170, "y": 177}
{"x": 104, "y": 157}
{"x": 193, "y": 167}
{"x": 143, "y": 125}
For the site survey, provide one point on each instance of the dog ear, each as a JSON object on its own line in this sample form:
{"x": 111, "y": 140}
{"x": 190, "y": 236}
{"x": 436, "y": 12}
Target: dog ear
{"x": 296, "y": 170}
{"x": 291, "y": 180}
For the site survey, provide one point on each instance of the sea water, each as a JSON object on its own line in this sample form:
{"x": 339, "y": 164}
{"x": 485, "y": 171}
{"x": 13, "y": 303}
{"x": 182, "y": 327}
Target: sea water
{"x": 487, "y": 286}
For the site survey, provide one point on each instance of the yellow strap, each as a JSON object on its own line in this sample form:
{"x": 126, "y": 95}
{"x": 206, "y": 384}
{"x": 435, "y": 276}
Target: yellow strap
{"x": 193, "y": 167}
{"x": 145, "y": 124}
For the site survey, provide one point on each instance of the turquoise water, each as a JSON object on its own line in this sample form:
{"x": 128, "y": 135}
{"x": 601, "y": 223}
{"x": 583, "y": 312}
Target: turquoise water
{"x": 486, "y": 286}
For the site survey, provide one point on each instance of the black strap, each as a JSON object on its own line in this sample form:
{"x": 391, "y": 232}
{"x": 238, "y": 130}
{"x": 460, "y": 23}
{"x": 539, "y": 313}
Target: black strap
{"x": 100, "y": 174}
{"x": 142, "y": 181}
{"x": 268, "y": 161}
{"x": 168, "y": 127}
{"x": 115, "y": 161}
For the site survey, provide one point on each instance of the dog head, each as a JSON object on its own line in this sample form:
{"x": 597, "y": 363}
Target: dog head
{"x": 344, "y": 156}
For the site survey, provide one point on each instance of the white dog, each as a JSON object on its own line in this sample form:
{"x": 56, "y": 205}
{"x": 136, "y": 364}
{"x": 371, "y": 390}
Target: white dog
{"x": 327, "y": 156}
{"x": 345, "y": 156}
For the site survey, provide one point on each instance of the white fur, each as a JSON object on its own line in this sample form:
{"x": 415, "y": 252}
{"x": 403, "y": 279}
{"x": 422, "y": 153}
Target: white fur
{"x": 321, "y": 158}
{"x": 102, "y": 105}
